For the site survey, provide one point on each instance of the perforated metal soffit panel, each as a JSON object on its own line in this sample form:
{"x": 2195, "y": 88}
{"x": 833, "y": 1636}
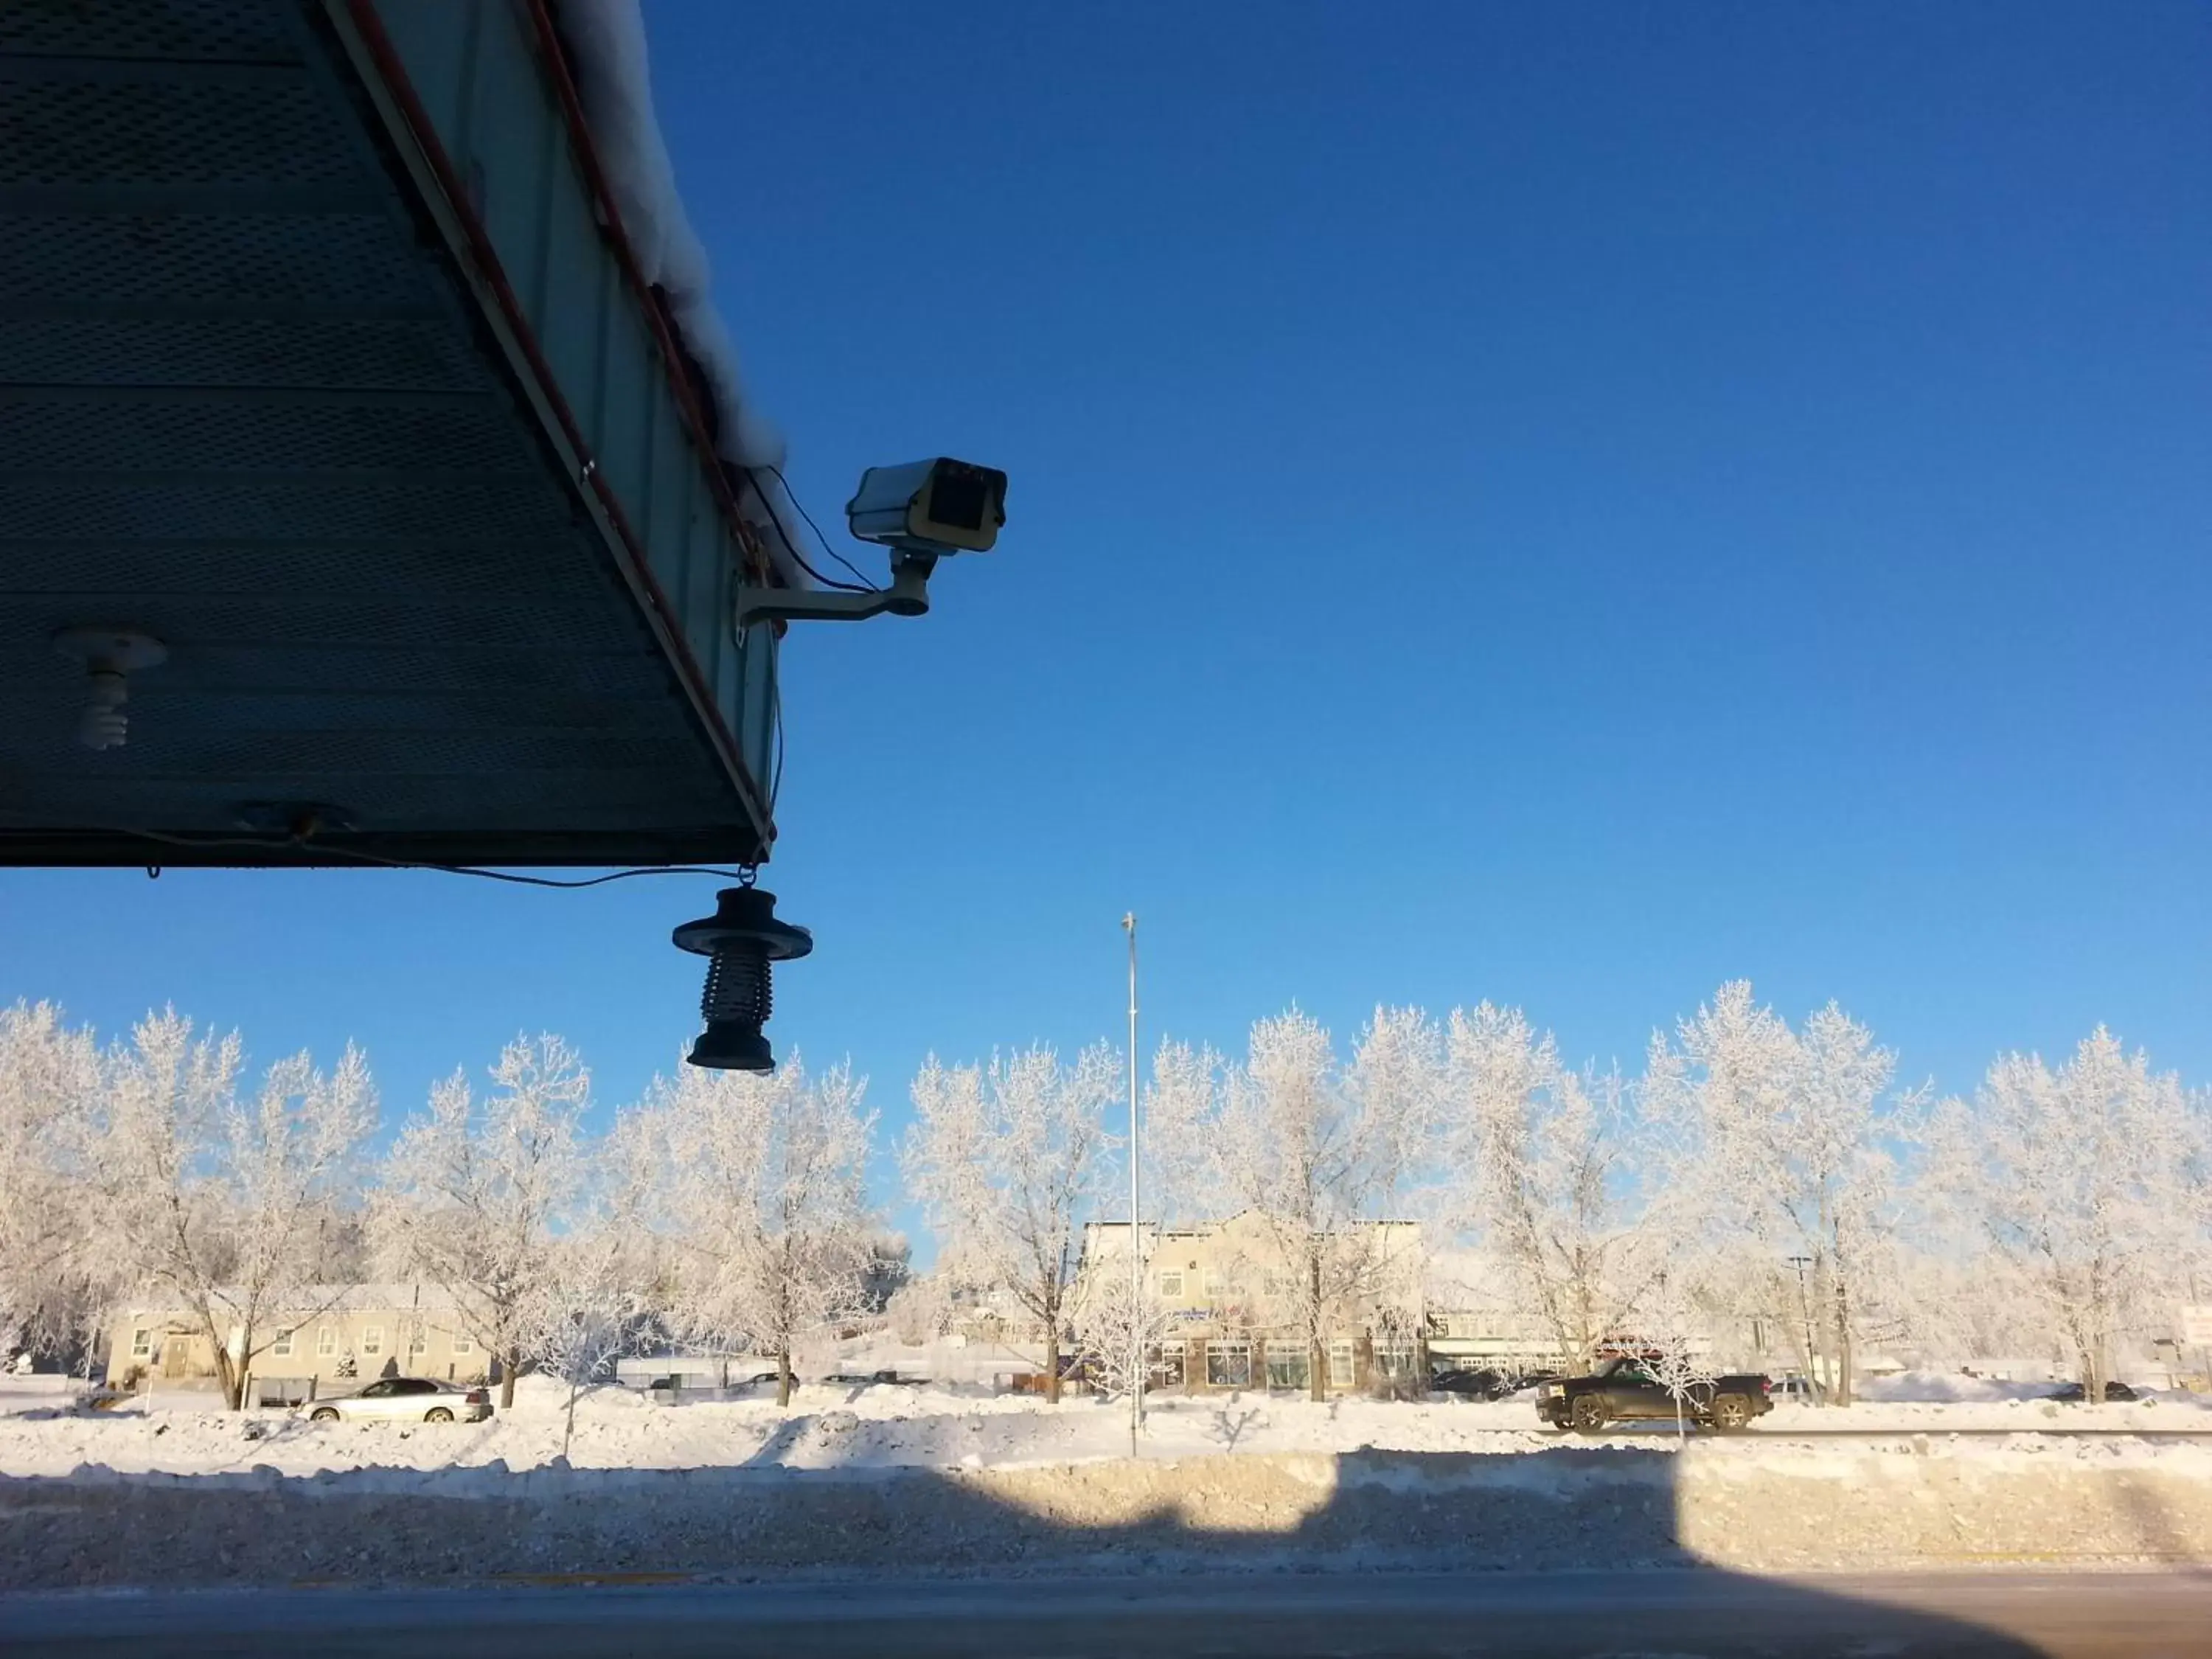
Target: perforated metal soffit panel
{"x": 245, "y": 407}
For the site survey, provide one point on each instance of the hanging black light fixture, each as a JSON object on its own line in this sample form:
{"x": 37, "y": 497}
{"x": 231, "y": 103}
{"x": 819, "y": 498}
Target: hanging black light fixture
{"x": 740, "y": 940}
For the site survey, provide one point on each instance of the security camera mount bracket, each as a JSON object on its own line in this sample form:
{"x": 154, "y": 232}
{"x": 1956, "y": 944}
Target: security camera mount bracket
{"x": 907, "y": 596}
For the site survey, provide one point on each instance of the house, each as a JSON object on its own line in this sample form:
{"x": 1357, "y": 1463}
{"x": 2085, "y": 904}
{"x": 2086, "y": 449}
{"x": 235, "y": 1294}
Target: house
{"x": 328, "y": 1339}
{"x": 1478, "y": 1317}
{"x": 1229, "y": 1300}
{"x": 1500, "y": 1338}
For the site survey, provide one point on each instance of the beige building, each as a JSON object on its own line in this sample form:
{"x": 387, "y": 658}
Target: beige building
{"x": 1227, "y": 1293}
{"x": 333, "y": 1338}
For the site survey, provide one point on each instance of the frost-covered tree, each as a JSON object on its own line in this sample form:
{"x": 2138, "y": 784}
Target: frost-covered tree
{"x": 1314, "y": 1152}
{"x": 1779, "y": 1146}
{"x": 1180, "y": 1098}
{"x": 50, "y": 1078}
{"x": 215, "y": 1197}
{"x": 588, "y": 1306}
{"x": 2090, "y": 1184}
{"x": 921, "y": 1311}
{"x": 1667, "y": 1344}
{"x": 1114, "y": 1322}
{"x": 476, "y": 1190}
{"x": 886, "y": 1269}
{"x": 1543, "y": 1164}
{"x": 757, "y": 1198}
{"x": 1006, "y": 1160}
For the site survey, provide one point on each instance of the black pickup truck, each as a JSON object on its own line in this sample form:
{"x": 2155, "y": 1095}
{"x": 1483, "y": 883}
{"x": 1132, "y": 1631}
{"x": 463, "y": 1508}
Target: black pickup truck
{"x": 1624, "y": 1389}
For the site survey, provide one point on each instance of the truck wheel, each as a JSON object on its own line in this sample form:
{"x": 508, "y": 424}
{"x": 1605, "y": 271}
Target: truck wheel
{"x": 1587, "y": 1414}
{"x": 1731, "y": 1412}
{"x": 323, "y": 1414}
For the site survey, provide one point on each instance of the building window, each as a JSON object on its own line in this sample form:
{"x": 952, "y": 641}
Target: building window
{"x": 1340, "y": 1365}
{"x": 1393, "y": 1357}
{"x": 1167, "y": 1367}
{"x": 326, "y": 1340}
{"x": 142, "y": 1345}
{"x": 1171, "y": 1282}
{"x": 1287, "y": 1365}
{"x": 1216, "y": 1287}
{"x": 463, "y": 1343}
{"x": 419, "y": 1342}
{"x": 1229, "y": 1364}
{"x": 372, "y": 1339}
{"x": 282, "y": 1347}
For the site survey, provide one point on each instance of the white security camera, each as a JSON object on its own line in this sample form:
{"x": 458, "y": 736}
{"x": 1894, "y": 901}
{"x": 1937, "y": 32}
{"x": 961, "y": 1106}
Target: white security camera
{"x": 930, "y": 508}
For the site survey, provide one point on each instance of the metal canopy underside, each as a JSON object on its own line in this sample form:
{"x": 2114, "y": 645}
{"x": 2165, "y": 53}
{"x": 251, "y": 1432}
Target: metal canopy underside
{"x": 251, "y": 405}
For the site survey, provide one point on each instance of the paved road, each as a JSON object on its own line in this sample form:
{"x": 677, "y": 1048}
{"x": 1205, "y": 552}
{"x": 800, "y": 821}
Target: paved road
{"x": 1680, "y": 1615}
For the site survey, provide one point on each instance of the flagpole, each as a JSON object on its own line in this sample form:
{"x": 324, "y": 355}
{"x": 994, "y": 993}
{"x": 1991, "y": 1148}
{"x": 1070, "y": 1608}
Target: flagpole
{"x": 1137, "y": 1367}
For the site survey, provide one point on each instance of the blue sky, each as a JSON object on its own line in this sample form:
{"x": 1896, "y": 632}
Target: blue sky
{"x": 1563, "y": 504}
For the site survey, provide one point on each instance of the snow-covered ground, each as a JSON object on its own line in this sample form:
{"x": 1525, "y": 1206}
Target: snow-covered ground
{"x": 831, "y": 1427}
{"x": 892, "y": 1479}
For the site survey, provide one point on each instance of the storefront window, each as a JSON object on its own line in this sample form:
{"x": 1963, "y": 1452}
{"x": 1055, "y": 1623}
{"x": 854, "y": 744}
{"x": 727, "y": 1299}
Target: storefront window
{"x": 1229, "y": 1364}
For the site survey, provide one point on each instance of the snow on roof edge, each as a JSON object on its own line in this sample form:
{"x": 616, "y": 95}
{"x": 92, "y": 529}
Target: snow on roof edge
{"x": 609, "y": 58}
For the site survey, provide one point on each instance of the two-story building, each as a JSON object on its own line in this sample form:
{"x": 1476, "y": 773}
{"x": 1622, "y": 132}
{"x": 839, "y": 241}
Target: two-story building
{"x": 328, "y": 1339}
{"x": 1231, "y": 1303}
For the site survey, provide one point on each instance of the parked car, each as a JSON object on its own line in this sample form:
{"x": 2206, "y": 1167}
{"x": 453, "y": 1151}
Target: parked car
{"x": 403, "y": 1398}
{"x": 1485, "y": 1382}
{"x": 1469, "y": 1384}
{"x": 2072, "y": 1393}
{"x": 1625, "y": 1390}
{"x": 1797, "y": 1390}
{"x": 664, "y": 1390}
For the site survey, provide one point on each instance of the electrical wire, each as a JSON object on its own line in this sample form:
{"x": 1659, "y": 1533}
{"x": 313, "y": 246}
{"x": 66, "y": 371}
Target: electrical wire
{"x": 300, "y": 843}
{"x": 792, "y": 548}
{"x": 775, "y": 722}
{"x": 813, "y": 527}
{"x": 258, "y": 844}
{"x": 776, "y": 472}
{"x": 528, "y": 881}
{"x": 775, "y": 718}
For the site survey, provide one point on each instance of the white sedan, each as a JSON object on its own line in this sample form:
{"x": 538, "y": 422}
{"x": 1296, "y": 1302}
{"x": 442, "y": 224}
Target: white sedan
{"x": 404, "y": 1399}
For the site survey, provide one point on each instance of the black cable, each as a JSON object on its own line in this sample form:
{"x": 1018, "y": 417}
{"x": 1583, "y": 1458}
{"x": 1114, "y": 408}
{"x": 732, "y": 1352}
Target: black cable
{"x": 259, "y": 843}
{"x": 814, "y": 527}
{"x": 264, "y": 843}
{"x": 790, "y": 547}
{"x": 775, "y": 717}
{"x": 777, "y": 472}
{"x": 776, "y": 777}
{"x": 522, "y": 880}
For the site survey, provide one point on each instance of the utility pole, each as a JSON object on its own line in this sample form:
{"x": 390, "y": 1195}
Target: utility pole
{"x": 1805, "y": 1312}
{"x": 1137, "y": 1367}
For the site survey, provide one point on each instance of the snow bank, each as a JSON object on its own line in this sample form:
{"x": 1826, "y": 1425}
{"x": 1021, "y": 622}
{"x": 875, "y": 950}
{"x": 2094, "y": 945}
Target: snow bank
{"x": 1780, "y": 1506}
{"x": 41, "y": 1390}
{"x": 939, "y": 1479}
{"x": 832, "y": 1428}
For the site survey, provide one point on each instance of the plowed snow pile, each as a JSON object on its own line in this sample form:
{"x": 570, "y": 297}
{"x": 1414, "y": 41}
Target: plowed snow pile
{"x": 885, "y": 1427}
{"x": 896, "y": 1479}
